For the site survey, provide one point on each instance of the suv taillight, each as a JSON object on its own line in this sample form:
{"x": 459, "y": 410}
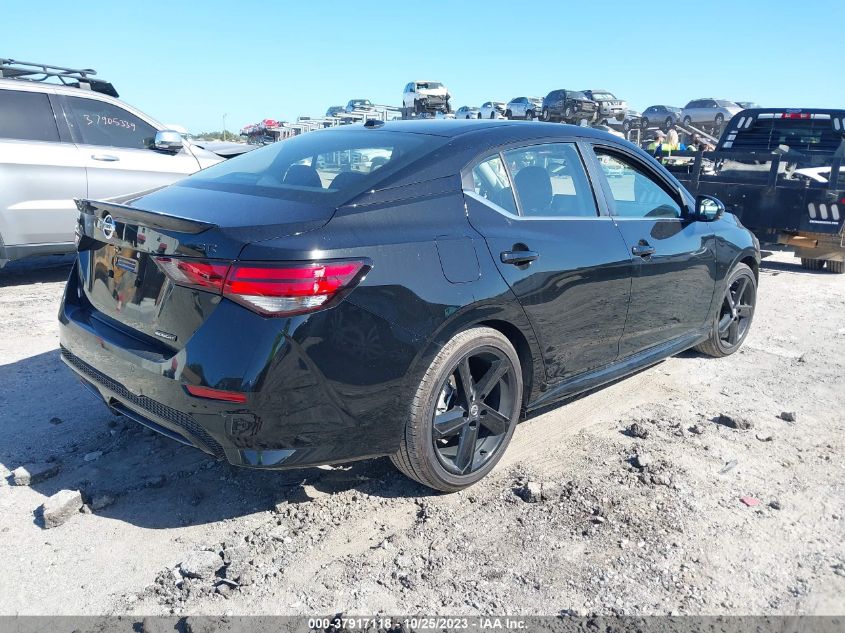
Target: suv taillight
{"x": 271, "y": 289}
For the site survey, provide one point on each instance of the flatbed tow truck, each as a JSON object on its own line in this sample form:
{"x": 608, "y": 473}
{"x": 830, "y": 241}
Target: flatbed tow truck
{"x": 778, "y": 170}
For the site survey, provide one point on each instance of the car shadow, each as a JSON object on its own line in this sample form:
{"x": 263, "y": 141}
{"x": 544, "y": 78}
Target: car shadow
{"x": 154, "y": 482}
{"x": 36, "y": 270}
{"x": 777, "y": 267}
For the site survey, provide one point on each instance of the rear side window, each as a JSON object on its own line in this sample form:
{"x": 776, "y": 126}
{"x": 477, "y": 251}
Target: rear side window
{"x": 490, "y": 181}
{"x": 550, "y": 180}
{"x": 27, "y": 116}
{"x": 634, "y": 193}
{"x": 99, "y": 123}
{"x": 327, "y": 167}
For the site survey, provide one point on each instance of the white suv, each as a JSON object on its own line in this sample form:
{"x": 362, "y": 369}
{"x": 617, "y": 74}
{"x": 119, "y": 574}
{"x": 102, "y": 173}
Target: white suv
{"x": 60, "y": 142}
{"x": 426, "y": 96}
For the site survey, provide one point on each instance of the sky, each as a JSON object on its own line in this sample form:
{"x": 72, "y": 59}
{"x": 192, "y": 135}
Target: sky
{"x": 192, "y": 63}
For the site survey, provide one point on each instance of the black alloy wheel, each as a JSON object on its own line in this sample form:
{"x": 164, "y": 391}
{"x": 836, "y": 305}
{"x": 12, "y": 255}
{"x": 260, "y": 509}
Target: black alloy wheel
{"x": 668, "y": 123}
{"x": 626, "y": 126}
{"x": 471, "y": 415}
{"x": 464, "y": 412}
{"x": 733, "y": 320}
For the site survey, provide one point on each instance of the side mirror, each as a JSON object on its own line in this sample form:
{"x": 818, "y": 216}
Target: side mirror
{"x": 168, "y": 141}
{"x": 708, "y": 208}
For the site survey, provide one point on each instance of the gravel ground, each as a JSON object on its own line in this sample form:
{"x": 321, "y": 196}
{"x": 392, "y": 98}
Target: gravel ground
{"x": 699, "y": 486}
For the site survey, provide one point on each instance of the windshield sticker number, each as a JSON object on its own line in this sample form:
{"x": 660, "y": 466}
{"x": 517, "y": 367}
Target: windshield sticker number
{"x": 96, "y": 119}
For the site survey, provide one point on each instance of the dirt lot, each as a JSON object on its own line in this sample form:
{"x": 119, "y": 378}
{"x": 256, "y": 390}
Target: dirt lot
{"x": 612, "y": 523}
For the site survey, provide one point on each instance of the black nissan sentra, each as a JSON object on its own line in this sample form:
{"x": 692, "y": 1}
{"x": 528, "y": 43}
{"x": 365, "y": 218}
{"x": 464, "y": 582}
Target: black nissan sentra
{"x": 409, "y": 289}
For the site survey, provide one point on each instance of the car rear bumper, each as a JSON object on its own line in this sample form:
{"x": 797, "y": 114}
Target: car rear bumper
{"x": 292, "y": 417}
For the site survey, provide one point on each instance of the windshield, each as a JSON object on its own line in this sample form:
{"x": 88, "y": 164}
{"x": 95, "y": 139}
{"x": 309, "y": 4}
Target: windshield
{"x": 603, "y": 96}
{"x": 726, "y": 104}
{"x": 429, "y": 85}
{"x": 328, "y": 166}
{"x": 577, "y": 95}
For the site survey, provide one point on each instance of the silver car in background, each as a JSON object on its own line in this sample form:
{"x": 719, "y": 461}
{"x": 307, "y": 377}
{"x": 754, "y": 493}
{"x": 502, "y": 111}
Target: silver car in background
{"x": 709, "y": 112}
{"x": 492, "y": 110}
{"x": 62, "y": 142}
{"x": 528, "y": 108}
{"x": 467, "y": 112}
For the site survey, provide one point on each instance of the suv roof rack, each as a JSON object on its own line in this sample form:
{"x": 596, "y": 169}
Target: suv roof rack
{"x": 75, "y": 77}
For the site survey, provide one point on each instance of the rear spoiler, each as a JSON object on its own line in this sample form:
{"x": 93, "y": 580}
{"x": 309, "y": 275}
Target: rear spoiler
{"x": 151, "y": 219}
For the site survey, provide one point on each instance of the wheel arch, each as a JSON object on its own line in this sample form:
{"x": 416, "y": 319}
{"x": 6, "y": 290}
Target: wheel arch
{"x": 509, "y": 319}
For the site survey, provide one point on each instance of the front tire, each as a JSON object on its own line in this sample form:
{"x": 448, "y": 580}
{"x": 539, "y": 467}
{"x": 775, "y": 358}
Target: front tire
{"x": 836, "y": 267}
{"x": 464, "y": 412}
{"x": 547, "y": 117}
{"x": 529, "y": 116}
{"x": 733, "y": 320}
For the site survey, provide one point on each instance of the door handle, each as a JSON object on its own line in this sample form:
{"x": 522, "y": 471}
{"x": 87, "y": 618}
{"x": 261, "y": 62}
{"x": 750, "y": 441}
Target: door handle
{"x": 518, "y": 258}
{"x": 643, "y": 249}
{"x": 109, "y": 158}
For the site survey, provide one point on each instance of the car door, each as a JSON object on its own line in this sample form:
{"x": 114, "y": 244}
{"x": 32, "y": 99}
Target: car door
{"x": 674, "y": 257}
{"x": 519, "y": 107}
{"x": 567, "y": 264}
{"x": 40, "y": 172}
{"x": 117, "y": 147}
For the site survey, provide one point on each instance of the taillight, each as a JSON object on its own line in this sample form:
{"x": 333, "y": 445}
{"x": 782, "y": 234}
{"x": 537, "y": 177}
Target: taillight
{"x": 295, "y": 288}
{"x": 277, "y": 289}
{"x": 194, "y": 273}
{"x": 795, "y": 115}
{"x": 216, "y": 394}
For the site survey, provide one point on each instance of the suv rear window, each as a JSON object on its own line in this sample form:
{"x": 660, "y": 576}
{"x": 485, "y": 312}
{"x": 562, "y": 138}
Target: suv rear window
{"x": 27, "y": 116}
{"x": 327, "y": 167}
{"x": 791, "y": 135}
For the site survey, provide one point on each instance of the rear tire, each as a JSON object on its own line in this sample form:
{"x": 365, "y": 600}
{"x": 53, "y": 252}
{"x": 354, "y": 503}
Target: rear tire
{"x": 687, "y": 121}
{"x": 546, "y": 115}
{"x": 437, "y": 453}
{"x": 736, "y": 312}
{"x": 836, "y": 267}
{"x": 812, "y": 264}
{"x": 529, "y": 116}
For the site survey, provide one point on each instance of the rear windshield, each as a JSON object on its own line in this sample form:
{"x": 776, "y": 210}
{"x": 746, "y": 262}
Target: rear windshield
{"x": 790, "y": 135}
{"x": 328, "y": 167}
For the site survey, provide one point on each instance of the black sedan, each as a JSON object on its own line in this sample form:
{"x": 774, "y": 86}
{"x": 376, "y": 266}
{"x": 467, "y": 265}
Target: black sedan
{"x": 409, "y": 289}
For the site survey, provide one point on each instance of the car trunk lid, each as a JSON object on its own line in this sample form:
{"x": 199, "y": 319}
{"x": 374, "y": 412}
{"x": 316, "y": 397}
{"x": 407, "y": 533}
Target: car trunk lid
{"x": 125, "y": 249}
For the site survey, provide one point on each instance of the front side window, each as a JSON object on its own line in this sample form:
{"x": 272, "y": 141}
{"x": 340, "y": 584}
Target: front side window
{"x": 549, "y": 180}
{"x": 27, "y": 116}
{"x": 634, "y": 193}
{"x": 100, "y": 123}
{"x": 490, "y": 181}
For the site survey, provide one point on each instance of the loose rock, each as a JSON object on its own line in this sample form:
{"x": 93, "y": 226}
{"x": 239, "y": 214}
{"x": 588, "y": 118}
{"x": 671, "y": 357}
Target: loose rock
{"x": 638, "y": 431}
{"x": 29, "y": 474}
{"x": 59, "y": 508}
{"x": 530, "y": 492}
{"x": 201, "y": 564}
{"x": 734, "y": 422}
{"x": 93, "y": 456}
{"x": 697, "y": 429}
{"x": 643, "y": 460}
{"x": 788, "y": 416}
